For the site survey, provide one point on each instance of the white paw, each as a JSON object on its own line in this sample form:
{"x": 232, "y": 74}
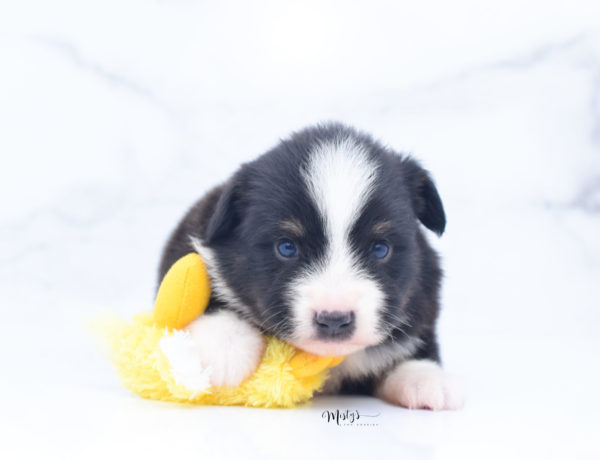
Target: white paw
{"x": 422, "y": 384}
{"x": 226, "y": 346}
{"x": 186, "y": 368}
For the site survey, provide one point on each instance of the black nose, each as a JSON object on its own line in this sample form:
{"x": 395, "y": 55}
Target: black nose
{"x": 334, "y": 324}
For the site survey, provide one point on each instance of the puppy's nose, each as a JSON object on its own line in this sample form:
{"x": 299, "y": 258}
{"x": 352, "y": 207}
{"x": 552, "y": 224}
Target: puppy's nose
{"x": 334, "y": 324}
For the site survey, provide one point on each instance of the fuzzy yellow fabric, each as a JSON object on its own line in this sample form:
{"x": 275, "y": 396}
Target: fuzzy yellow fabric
{"x": 286, "y": 376}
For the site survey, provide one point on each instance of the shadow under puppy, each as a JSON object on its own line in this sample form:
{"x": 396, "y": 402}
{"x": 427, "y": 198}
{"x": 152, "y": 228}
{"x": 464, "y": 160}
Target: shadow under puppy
{"x": 318, "y": 242}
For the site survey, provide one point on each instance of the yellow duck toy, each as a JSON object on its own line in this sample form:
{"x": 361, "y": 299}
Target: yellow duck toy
{"x": 285, "y": 377}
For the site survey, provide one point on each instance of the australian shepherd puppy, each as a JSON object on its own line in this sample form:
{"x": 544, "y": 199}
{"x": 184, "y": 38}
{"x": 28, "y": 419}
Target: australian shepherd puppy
{"x": 320, "y": 242}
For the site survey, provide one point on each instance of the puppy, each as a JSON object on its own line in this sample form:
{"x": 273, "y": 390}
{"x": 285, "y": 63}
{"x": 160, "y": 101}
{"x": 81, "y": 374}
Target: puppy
{"x": 320, "y": 242}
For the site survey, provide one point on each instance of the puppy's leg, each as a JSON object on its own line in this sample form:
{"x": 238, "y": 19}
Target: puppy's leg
{"x": 219, "y": 345}
{"x": 421, "y": 384}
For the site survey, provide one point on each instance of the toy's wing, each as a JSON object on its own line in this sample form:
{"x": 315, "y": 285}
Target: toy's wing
{"x": 183, "y": 294}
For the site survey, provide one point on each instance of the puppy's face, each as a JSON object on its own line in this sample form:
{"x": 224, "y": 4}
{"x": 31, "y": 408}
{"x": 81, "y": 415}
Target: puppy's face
{"x": 316, "y": 241}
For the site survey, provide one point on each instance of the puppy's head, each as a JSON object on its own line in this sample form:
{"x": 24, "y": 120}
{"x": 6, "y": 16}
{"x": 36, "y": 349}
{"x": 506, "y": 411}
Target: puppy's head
{"x": 316, "y": 240}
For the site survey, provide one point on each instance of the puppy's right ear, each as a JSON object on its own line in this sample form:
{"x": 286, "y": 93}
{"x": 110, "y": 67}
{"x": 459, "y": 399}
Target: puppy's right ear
{"x": 227, "y": 213}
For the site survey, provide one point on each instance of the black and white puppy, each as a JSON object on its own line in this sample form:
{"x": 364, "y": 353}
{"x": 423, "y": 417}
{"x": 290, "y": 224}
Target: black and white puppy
{"x": 319, "y": 242}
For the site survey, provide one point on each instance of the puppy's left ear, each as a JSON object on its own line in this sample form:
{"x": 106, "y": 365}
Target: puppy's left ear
{"x": 425, "y": 198}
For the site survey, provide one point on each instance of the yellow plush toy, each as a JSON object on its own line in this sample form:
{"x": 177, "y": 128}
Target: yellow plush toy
{"x": 285, "y": 377}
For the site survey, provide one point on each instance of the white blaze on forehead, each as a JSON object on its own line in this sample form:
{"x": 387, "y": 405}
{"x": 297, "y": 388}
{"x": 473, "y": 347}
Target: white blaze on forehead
{"x": 340, "y": 178}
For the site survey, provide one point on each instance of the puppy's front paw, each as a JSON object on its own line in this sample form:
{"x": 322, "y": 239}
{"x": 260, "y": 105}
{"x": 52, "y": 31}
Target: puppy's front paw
{"x": 186, "y": 368}
{"x": 422, "y": 384}
{"x": 228, "y": 346}
{"x": 228, "y": 349}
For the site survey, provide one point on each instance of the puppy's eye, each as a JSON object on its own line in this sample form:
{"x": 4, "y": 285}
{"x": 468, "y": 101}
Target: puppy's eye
{"x": 287, "y": 249}
{"x": 380, "y": 250}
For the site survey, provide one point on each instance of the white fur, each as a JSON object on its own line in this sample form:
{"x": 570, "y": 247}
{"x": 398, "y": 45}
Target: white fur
{"x": 219, "y": 345}
{"x": 422, "y": 384}
{"x": 182, "y": 353}
{"x": 340, "y": 178}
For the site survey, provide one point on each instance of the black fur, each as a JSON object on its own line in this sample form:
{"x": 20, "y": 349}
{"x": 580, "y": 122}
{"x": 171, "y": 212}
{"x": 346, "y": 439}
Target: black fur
{"x": 240, "y": 219}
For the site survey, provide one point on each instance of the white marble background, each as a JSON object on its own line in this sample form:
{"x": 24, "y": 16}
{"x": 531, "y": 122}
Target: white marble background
{"x": 116, "y": 115}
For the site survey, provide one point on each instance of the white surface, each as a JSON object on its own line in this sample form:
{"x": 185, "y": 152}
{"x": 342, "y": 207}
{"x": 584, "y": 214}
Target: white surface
{"x": 115, "y": 116}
